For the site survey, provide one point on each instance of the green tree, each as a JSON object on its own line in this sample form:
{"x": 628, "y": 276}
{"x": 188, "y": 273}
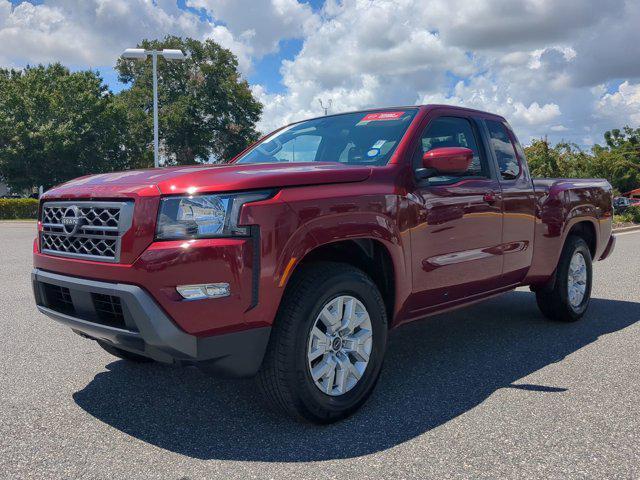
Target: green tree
{"x": 619, "y": 159}
{"x": 205, "y": 108}
{"x": 56, "y": 125}
{"x": 627, "y": 139}
{"x": 543, "y": 159}
{"x": 565, "y": 160}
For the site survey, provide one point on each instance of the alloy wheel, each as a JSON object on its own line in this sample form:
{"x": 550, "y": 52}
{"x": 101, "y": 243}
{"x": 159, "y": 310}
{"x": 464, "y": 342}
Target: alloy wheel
{"x": 339, "y": 346}
{"x": 577, "y": 281}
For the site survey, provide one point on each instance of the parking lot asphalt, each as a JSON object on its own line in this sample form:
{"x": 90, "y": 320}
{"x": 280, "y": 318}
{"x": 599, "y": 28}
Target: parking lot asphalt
{"x": 491, "y": 391}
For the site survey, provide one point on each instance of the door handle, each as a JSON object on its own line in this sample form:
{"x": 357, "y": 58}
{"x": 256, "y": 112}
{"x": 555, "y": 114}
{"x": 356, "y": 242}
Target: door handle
{"x": 490, "y": 196}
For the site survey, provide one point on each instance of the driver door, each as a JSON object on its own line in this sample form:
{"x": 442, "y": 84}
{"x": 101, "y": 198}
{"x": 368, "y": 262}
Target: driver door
{"x": 455, "y": 245}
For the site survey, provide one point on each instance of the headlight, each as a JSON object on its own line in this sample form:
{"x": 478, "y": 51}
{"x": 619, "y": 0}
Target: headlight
{"x": 203, "y": 216}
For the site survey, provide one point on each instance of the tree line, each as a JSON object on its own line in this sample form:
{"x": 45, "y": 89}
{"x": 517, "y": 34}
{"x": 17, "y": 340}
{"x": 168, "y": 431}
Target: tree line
{"x": 618, "y": 160}
{"x": 57, "y": 124}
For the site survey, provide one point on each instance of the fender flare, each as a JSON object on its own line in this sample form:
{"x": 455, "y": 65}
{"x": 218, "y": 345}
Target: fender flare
{"x": 328, "y": 229}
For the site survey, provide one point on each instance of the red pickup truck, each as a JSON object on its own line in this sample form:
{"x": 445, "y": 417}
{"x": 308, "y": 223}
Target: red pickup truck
{"x": 295, "y": 259}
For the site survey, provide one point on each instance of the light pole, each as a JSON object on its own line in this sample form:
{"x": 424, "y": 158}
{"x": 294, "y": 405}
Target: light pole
{"x": 142, "y": 54}
{"x": 327, "y": 107}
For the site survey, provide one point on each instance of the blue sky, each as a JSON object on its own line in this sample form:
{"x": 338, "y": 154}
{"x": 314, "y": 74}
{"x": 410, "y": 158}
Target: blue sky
{"x": 266, "y": 70}
{"x": 558, "y": 69}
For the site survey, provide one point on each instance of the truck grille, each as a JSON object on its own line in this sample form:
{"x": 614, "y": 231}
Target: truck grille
{"x": 91, "y": 230}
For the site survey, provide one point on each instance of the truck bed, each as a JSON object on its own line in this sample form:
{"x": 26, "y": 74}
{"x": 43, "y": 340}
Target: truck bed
{"x": 561, "y": 204}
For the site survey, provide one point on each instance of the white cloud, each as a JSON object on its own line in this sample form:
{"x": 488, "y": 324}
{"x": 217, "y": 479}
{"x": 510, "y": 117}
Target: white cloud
{"x": 547, "y": 66}
{"x": 496, "y": 24}
{"x": 91, "y": 32}
{"x": 534, "y": 114}
{"x": 364, "y": 53}
{"x": 94, "y": 32}
{"x": 623, "y": 105}
{"x": 261, "y": 24}
{"x": 483, "y": 93}
{"x": 222, "y": 36}
{"x": 530, "y": 60}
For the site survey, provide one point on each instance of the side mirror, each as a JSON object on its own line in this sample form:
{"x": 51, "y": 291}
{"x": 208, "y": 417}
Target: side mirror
{"x": 453, "y": 160}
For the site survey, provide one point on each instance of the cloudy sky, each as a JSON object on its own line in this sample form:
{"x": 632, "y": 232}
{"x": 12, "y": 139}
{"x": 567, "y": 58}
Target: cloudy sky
{"x": 569, "y": 69}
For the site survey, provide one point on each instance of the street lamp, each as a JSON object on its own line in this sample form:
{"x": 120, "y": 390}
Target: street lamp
{"x": 327, "y": 107}
{"x": 142, "y": 54}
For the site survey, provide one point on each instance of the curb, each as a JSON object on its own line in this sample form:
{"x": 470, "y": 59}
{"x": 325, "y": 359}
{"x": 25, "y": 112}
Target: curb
{"x": 633, "y": 228}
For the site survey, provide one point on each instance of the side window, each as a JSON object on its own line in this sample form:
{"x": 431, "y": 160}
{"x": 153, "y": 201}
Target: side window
{"x": 302, "y": 148}
{"x": 452, "y": 132}
{"x": 508, "y": 163}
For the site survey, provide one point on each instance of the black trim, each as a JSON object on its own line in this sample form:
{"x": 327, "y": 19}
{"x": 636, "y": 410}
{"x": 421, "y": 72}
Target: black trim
{"x": 255, "y": 274}
{"x": 483, "y": 138}
{"x": 488, "y": 149}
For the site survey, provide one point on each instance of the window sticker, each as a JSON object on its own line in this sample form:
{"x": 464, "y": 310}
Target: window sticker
{"x": 378, "y": 144}
{"x": 373, "y": 152}
{"x": 380, "y": 117}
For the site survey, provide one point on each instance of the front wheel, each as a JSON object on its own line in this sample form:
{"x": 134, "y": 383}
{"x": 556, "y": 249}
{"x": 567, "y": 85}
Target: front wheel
{"x": 327, "y": 345}
{"x": 569, "y": 299}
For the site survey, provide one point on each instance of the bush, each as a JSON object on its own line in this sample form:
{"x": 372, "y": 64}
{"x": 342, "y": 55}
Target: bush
{"x": 14, "y": 208}
{"x": 633, "y": 214}
{"x": 630, "y": 215}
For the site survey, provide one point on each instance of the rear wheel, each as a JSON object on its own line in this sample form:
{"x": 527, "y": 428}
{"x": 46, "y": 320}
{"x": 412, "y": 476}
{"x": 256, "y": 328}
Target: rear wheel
{"x": 327, "y": 345}
{"x": 569, "y": 299}
{"x": 123, "y": 354}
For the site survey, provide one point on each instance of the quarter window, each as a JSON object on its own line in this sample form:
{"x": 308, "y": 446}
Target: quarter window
{"x": 508, "y": 163}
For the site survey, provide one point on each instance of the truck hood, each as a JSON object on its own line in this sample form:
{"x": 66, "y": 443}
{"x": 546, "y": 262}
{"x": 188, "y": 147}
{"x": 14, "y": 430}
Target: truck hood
{"x": 210, "y": 178}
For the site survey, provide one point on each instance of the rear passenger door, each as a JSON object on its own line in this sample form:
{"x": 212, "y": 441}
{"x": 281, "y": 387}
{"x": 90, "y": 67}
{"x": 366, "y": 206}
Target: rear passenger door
{"x": 455, "y": 245}
{"x": 517, "y": 198}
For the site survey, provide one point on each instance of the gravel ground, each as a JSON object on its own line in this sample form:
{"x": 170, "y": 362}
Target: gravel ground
{"x": 492, "y": 391}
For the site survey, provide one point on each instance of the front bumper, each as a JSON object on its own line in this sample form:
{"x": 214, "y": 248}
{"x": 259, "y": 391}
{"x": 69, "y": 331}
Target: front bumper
{"x": 127, "y": 317}
{"x": 163, "y": 265}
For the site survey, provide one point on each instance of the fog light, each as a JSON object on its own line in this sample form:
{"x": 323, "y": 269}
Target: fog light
{"x": 205, "y": 290}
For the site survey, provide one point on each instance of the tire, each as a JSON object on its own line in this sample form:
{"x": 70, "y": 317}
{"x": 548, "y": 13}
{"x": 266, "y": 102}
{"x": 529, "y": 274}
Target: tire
{"x": 123, "y": 354}
{"x": 558, "y": 303}
{"x": 286, "y": 377}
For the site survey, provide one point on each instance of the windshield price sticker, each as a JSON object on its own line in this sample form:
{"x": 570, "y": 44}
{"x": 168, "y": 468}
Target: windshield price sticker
{"x": 381, "y": 116}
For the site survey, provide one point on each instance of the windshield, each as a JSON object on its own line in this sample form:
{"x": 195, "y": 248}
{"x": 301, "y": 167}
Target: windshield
{"x": 365, "y": 138}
